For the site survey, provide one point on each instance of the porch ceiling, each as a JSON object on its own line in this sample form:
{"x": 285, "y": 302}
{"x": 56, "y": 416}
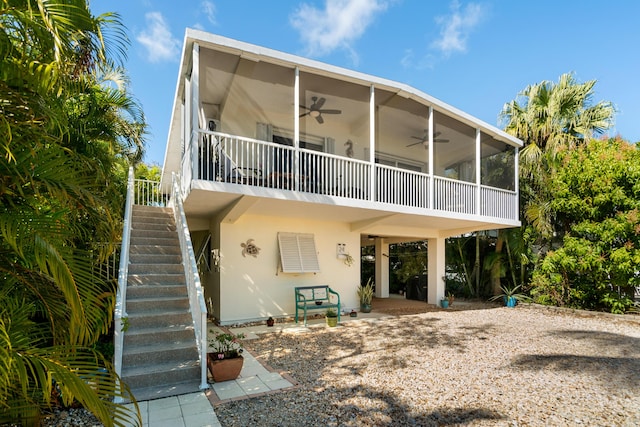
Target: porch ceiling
{"x": 366, "y": 217}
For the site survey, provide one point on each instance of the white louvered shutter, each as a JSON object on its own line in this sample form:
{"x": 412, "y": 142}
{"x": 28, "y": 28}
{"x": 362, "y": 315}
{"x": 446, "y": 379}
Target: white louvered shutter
{"x": 298, "y": 253}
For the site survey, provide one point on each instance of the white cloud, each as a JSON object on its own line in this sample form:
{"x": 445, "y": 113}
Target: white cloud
{"x": 407, "y": 59}
{"x": 209, "y": 10}
{"x": 158, "y": 40}
{"x": 337, "y": 26}
{"x": 456, "y": 27}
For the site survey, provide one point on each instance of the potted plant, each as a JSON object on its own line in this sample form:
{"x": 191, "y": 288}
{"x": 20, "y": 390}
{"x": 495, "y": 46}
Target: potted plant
{"x": 510, "y": 296}
{"x": 365, "y": 295}
{"x": 224, "y": 358}
{"x": 331, "y": 317}
{"x": 450, "y": 298}
{"x": 444, "y": 302}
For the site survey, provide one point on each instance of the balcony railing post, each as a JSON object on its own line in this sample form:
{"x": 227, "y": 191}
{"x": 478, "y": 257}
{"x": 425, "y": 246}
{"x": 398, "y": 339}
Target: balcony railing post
{"x": 478, "y": 171}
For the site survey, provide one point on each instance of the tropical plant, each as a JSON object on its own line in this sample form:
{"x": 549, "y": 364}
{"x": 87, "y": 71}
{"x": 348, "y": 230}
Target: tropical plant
{"x": 511, "y": 293}
{"x": 450, "y": 297}
{"x": 365, "y": 292}
{"x": 331, "y": 312}
{"x": 597, "y": 204}
{"x": 65, "y": 139}
{"x": 551, "y": 118}
{"x": 226, "y": 345}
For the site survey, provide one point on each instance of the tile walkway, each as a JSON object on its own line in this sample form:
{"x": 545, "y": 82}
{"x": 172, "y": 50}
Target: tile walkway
{"x": 188, "y": 410}
{"x": 197, "y": 409}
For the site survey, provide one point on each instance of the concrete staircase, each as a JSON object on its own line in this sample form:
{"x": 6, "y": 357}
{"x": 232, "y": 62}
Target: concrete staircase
{"x": 160, "y": 356}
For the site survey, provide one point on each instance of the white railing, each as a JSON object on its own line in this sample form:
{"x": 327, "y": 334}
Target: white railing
{"x": 238, "y": 160}
{"x": 120, "y": 314}
{"x": 228, "y": 158}
{"x": 194, "y": 286}
{"x": 402, "y": 187}
{"x": 498, "y": 203}
{"x": 454, "y": 196}
{"x": 334, "y": 175}
{"x": 149, "y": 193}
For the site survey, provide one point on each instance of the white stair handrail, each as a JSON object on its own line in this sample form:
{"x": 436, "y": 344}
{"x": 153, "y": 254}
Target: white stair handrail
{"x": 120, "y": 314}
{"x": 194, "y": 286}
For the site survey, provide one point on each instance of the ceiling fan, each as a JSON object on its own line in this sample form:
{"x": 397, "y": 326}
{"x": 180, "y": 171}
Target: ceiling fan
{"x": 316, "y": 111}
{"x": 425, "y": 138}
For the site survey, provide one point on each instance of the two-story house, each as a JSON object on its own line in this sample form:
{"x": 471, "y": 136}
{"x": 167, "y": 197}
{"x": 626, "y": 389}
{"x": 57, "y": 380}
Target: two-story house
{"x": 288, "y": 166}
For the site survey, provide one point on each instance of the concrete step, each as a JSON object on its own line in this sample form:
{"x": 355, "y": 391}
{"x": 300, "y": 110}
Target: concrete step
{"x": 157, "y": 258}
{"x": 145, "y": 234}
{"x": 137, "y": 304}
{"x": 143, "y": 239}
{"x": 159, "y": 319}
{"x": 153, "y": 224}
{"x": 155, "y": 268}
{"x": 149, "y": 291}
{"x": 152, "y": 335}
{"x": 152, "y": 279}
{"x": 151, "y": 210}
{"x": 155, "y": 249}
{"x": 161, "y": 375}
{"x": 159, "y": 353}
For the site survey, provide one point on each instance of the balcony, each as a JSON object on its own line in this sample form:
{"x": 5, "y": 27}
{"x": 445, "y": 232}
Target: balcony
{"x": 230, "y": 159}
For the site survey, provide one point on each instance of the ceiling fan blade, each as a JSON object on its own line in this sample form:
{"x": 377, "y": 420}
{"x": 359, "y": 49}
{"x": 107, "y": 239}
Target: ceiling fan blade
{"x": 305, "y": 114}
{"x": 330, "y": 111}
{"x": 319, "y": 103}
{"x": 306, "y": 108}
{"x": 415, "y": 143}
{"x": 441, "y": 140}
{"x": 320, "y": 119}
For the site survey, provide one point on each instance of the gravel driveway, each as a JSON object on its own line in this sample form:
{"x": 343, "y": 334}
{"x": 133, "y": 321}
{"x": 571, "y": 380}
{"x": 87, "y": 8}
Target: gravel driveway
{"x": 527, "y": 366}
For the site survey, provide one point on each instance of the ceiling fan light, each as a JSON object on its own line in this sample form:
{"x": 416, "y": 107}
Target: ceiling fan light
{"x": 314, "y": 113}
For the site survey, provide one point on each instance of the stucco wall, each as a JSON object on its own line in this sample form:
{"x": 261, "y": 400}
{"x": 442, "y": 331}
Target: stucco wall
{"x": 254, "y": 288}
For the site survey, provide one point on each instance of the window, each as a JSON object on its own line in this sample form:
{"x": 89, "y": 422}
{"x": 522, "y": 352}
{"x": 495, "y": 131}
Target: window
{"x": 399, "y": 162}
{"x": 298, "y": 253}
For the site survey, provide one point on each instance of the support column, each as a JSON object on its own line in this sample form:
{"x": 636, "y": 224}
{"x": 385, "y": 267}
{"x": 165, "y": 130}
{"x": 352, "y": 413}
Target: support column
{"x": 195, "y": 109}
{"x": 436, "y": 270}
{"x": 382, "y": 268}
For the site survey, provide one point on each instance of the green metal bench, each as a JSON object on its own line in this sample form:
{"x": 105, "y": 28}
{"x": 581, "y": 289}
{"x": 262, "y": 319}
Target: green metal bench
{"x": 320, "y": 297}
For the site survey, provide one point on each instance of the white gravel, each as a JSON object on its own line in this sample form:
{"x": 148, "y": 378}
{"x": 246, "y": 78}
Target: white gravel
{"x": 527, "y": 366}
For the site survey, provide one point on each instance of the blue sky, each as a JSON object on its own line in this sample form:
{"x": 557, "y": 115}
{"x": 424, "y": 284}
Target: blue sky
{"x": 474, "y": 55}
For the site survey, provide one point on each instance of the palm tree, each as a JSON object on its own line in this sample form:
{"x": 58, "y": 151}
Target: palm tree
{"x": 550, "y": 117}
{"x": 66, "y": 140}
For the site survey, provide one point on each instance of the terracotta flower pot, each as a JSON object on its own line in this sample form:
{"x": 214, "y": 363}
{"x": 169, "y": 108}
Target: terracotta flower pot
{"x": 224, "y": 369}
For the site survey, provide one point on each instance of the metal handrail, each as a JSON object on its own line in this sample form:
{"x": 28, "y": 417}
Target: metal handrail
{"x": 121, "y": 296}
{"x": 194, "y": 286}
